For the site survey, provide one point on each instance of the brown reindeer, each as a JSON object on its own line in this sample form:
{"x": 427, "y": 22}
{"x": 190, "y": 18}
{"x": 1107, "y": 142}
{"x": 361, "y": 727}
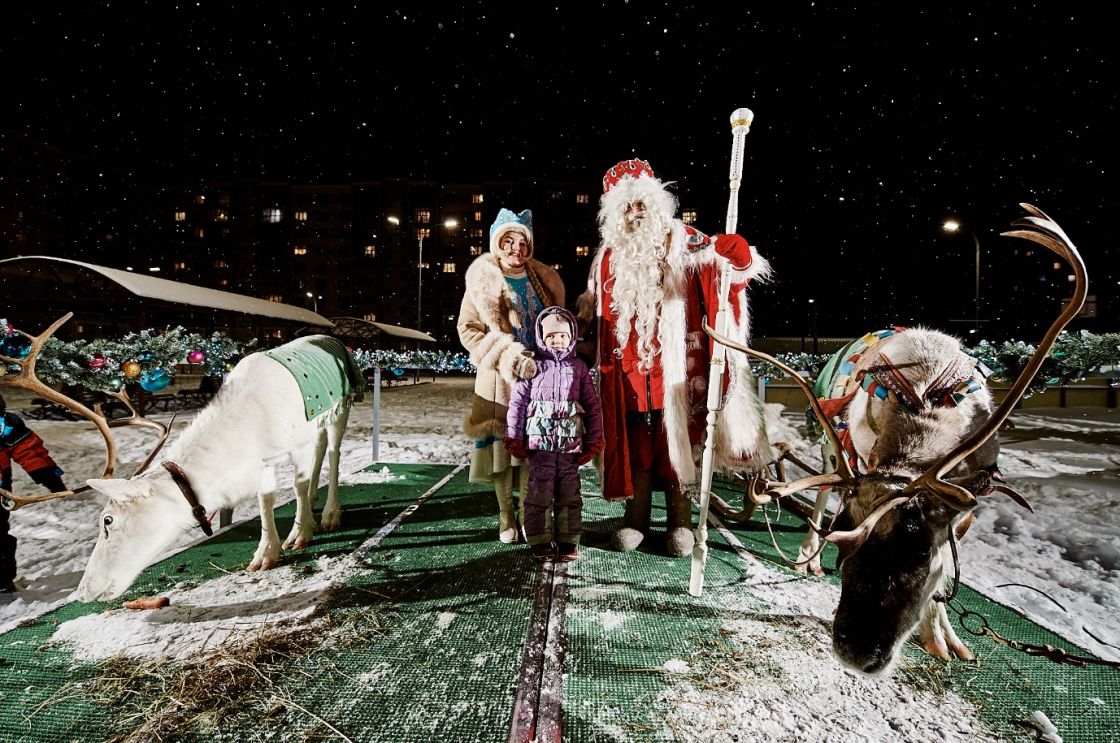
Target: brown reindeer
{"x": 897, "y": 525}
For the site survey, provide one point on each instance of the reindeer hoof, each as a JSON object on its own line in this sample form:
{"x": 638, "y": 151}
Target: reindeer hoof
{"x": 936, "y": 648}
{"x": 330, "y": 524}
{"x": 962, "y": 651}
{"x": 262, "y": 563}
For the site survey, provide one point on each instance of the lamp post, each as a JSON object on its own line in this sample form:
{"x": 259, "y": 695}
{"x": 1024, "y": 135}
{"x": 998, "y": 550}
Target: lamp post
{"x": 952, "y": 226}
{"x": 448, "y": 223}
{"x": 813, "y": 323}
{"x": 314, "y": 301}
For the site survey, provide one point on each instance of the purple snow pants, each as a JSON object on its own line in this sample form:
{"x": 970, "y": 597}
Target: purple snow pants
{"x": 553, "y": 484}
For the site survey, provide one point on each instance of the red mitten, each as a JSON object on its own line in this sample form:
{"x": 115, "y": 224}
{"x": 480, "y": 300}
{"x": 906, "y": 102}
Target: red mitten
{"x": 589, "y": 452}
{"x": 735, "y": 249}
{"x": 516, "y": 447}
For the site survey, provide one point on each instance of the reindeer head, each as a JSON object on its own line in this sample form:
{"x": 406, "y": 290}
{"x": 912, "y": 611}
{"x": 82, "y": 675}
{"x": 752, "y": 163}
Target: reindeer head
{"x": 896, "y": 524}
{"x": 139, "y": 522}
{"x": 890, "y": 571}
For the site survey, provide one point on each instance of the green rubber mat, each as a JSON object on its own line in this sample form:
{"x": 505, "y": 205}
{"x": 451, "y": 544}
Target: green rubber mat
{"x": 423, "y": 638}
{"x": 419, "y": 638}
{"x": 630, "y": 621}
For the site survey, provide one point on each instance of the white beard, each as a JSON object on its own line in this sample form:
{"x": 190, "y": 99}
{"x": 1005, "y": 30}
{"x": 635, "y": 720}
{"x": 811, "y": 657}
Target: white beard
{"x": 637, "y": 263}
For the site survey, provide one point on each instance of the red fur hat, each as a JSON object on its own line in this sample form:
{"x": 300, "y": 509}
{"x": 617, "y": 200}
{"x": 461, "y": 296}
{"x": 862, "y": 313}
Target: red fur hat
{"x": 626, "y": 169}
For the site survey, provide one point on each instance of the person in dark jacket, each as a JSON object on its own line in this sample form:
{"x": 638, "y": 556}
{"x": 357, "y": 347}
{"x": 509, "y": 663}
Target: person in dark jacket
{"x": 20, "y": 443}
{"x": 554, "y": 424}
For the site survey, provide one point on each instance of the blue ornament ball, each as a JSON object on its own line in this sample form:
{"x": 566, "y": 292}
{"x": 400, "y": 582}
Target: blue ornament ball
{"x": 15, "y": 346}
{"x": 155, "y": 380}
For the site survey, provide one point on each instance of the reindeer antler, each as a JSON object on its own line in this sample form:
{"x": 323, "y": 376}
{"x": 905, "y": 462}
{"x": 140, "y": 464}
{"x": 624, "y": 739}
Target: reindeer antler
{"x": 843, "y": 474}
{"x": 1045, "y": 232}
{"x": 26, "y": 379}
{"x": 137, "y": 419}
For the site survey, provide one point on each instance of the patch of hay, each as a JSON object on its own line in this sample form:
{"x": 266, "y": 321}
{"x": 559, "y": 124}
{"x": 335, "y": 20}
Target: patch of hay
{"x": 165, "y": 700}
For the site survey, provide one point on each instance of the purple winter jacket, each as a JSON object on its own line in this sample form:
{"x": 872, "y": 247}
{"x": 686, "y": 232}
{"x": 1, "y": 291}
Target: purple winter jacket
{"x": 558, "y": 409}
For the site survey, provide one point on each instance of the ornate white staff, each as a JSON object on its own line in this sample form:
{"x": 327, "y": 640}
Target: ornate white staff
{"x": 741, "y": 120}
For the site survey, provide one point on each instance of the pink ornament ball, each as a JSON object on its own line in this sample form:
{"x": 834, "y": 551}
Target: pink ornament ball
{"x": 196, "y": 357}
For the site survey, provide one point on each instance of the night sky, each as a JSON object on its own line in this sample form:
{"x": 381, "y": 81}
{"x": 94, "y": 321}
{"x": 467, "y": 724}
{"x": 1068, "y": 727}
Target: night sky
{"x": 871, "y": 127}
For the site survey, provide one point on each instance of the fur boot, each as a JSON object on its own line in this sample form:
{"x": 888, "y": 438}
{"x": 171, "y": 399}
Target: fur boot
{"x": 679, "y": 538}
{"x": 507, "y": 522}
{"x": 635, "y": 522}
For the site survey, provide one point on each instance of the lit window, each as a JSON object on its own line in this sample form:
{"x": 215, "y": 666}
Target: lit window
{"x": 423, "y": 216}
{"x": 476, "y": 198}
{"x": 180, "y": 216}
{"x": 180, "y": 266}
{"x": 370, "y": 251}
{"x": 477, "y": 232}
{"x": 423, "y": 233}
{"x": 688, "y": 216}
{"x": 583, "y": 250}
{"x": 200, "y": 199}
{"x": 582, "y": 198}
{"x": 275, "y": 298}
{"x": 223, "y": 282}
{"x": 221, "y": 215}
{"x": 200, "y": 233}
{"x": 476, "y": 250}
{"x": 556, "y": 266}
{"x": 301, "y": 216}
{"x": 299, "y": 250}
{"x": 271, "y": 215}
{"x": 369, "y": 316}
{"x": 1057, "y": 266}
{"x": 478, "y": 216}
{"x": 449, "y": 268}
{"x": 219, "y": 263}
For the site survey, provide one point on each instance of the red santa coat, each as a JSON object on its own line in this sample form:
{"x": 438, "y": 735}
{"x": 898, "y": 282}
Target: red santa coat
{"x": 678, "y": 383}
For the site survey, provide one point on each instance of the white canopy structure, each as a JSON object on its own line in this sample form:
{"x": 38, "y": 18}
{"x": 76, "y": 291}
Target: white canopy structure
{"x": 359, "y": 329}
{"x": 166, "y": 290}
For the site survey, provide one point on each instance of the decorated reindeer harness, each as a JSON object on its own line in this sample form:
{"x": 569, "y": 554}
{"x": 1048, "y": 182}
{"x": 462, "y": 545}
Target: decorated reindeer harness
{"x": 856, "y": 366}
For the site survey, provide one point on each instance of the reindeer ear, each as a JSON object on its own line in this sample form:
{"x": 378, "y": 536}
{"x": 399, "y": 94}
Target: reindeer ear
{"x": 117, "y": 489}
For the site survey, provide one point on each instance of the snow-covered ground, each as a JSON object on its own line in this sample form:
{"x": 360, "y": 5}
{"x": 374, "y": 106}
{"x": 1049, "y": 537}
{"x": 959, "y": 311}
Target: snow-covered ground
{"x": 1065, "y": 461}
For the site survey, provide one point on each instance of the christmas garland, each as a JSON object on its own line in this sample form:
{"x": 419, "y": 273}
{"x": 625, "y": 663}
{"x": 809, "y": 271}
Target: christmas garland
{"x": 1074, "y": 357}
{"x": 147, "y": 358}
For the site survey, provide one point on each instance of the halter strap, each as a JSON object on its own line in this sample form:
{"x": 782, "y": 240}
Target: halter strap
{"x": 184, "y": 484}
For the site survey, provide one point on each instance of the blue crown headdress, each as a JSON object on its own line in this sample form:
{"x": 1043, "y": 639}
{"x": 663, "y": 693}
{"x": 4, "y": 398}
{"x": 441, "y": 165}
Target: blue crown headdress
{"x": 505, "y": 216}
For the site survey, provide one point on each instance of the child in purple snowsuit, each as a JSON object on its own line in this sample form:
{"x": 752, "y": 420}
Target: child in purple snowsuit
{"x": 554, "y": 425}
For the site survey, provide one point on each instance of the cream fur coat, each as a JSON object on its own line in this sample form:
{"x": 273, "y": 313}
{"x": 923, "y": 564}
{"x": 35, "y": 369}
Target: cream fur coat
{"x": 487, "y": 319}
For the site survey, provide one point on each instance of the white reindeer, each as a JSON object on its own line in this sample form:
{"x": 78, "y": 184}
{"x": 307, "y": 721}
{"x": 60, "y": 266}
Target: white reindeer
{"x": 258, "y": 419}
{"x": 928, "y": 458}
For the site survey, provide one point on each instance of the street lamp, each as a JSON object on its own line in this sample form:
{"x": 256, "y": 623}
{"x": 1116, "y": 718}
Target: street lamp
{"x": 449, "y": 224}
{"x": 813, "y": 324}
{"x": 314, "y": 300}
{"x": 951, "y": 226}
